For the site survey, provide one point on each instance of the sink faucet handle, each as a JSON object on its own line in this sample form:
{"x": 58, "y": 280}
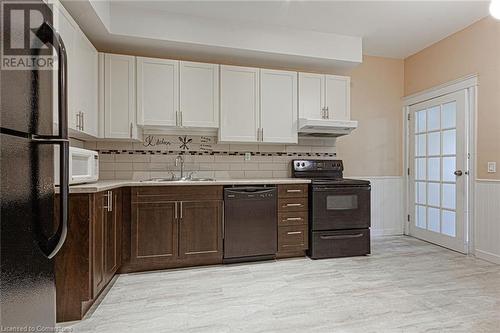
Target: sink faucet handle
{"x": 190, "y": 175}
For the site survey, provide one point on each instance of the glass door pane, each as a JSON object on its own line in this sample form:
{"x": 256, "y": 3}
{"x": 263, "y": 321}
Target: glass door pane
{"x": 436, "y": 150}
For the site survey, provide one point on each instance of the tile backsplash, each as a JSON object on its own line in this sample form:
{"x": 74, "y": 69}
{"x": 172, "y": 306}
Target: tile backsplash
{"x": 204, "y": 157}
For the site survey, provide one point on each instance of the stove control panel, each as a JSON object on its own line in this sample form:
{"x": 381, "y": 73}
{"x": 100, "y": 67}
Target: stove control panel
{"x": 317, "y": 165}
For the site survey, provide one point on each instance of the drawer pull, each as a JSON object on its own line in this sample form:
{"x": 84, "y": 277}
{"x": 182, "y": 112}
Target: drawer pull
{"x": 293, "y": 191}
{"x": 341, "y": 236}
{"x": 294, "y": 232}
{"x": 294, "y": 219}
{"x": 293, "y": 205}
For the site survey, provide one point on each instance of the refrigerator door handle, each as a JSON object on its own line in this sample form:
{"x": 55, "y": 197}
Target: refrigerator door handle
{"x": 47, "y": 34}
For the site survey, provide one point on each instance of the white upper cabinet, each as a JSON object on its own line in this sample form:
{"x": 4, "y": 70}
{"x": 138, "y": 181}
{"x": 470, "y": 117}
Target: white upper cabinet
{"x": 82, "y": 71}
{"x": 324, "y": 96}
{"x": 199, "y": 95}
{"x": 239, "y": 104}
{"x": 337, "y": 97}
{"x": 311, "y": 95}
{"x": 67, "y": 28}
{"x": 86, "y": 86}
{"x": 157, "y": 92}
{"x": 278, "y": 106}
{"x": 119, "y": 97}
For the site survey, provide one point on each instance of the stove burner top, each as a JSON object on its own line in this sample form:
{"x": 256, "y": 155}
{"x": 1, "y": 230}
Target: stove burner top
{"x": 324, "y": 172}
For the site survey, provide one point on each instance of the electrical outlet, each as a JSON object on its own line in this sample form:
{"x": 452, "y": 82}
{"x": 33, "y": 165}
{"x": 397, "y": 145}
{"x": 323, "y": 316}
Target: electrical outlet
{"x": 492, "y": 167}
{"x": 248, "y": 156}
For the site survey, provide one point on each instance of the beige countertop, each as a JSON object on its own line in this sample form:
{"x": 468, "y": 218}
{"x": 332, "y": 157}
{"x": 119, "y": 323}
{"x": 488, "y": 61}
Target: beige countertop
{"x": 104, "y": 185}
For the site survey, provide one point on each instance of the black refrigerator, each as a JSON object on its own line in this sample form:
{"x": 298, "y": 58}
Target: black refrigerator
{"x": 29, "y": 236}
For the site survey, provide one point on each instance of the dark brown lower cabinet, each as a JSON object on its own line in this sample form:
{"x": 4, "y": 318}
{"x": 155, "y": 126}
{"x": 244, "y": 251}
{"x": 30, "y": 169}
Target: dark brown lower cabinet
{"x": 91, "y": 254}
{"x": 106, "y": 239}
{"x": 174, "y": 226}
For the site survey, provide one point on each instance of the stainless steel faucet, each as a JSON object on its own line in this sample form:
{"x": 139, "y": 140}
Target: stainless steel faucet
{"x": 180, "y": 159}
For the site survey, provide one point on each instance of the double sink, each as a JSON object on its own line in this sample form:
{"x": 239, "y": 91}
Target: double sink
{"x": 180, "y": 180}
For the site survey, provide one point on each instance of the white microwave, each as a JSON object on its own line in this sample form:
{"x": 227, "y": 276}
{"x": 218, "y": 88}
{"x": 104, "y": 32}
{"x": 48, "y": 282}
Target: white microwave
{"x": 83, "y": 166}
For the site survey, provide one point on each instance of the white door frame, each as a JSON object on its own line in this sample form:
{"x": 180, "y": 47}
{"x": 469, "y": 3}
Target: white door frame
{"x": 470, "y": 85}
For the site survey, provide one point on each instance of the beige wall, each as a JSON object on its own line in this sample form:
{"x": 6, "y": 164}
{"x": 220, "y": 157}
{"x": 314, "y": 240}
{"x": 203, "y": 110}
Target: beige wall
{"x": 474, "y": 50}
{"x": 375, "y": 147}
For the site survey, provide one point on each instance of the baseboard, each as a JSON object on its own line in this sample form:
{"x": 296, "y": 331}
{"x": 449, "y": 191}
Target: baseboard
{"x": 386, "y": 232}
{"x": 488, "y": 256}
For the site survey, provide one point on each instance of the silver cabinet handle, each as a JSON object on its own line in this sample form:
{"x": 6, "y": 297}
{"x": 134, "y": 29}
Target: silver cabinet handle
{"x": 83, "y": 121}
{"x": 131, "y": 129}
{"x": 293, "y": 191}
{"x": 180, "y": 116}
{"x": 323, "y": 113}
{"x": 327, "y": 113}
{"x": 181, "y": 209}
{"x": 293, "y": 205}
{"x": 262, "y": 134}
{"x": 294, "y": 219}
{"x": 109, "y": 199}
{"x": 294, "y": 232}
{"x": 175, "y": 210}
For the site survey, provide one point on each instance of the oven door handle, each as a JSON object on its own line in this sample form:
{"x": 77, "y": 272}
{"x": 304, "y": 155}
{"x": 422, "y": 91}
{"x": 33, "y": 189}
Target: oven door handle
{"x": 341, "y": 189}
{"x": 333, "y": 237}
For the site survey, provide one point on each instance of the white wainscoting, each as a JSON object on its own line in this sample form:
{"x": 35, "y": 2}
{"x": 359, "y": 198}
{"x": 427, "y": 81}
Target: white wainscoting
{"x": 387, "y": 205}
{"x": 487, "y": 220}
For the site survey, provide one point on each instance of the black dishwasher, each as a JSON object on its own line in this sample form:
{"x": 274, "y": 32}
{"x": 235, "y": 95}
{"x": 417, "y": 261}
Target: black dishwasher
{"x": 250, "y": 223}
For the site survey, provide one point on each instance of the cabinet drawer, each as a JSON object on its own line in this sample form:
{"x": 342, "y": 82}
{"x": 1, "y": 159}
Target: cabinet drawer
{"x": 292, "y": 205}
{"x": 292, "y": 238}
{"x": 340, "y": 243}
{"x": 292, "y": 218}
{"x": 175, "y": 193}
{"x": 292, "y": 191}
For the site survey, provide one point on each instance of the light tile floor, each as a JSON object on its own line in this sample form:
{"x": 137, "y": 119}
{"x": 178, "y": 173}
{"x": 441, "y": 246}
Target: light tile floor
{"x": 406, "y": 285}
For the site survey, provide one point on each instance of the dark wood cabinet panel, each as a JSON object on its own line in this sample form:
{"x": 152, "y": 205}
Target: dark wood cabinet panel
{"x": 91, "y": 254}
{"x": 98, "y": 234}
{"x": 293, "y": 216}
{"x": 293, "y": 190}
{"x": 154, "y": 232}
{"x": 292, "y": 204}
{"x": 173, "y": 226}
{"x": 112, "y": 239}
{"x": 200, "y": 233}
{"x": 292, "y": 238}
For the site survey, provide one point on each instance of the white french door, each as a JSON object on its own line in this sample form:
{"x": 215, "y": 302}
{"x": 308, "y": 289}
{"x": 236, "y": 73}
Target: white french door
{"x": 438, "y": 171}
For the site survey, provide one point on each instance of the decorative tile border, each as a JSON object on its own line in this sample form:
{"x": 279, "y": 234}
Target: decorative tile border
{"x": 218, "y": 153}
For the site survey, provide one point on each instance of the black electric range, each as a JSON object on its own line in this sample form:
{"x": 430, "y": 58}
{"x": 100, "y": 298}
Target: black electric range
{"x": 339, "y": 216}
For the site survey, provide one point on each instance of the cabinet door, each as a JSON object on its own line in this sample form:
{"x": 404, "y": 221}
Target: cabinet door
{"x": 86, "y": 86}
{"x": 119, "y": 97}
{"x": 67, "y": 28}
{"x": 200, "y": 230}
{"x": 98, "y": 235}
{"x": 239, "y": 104}
{"x": 157, "y": 91}
{"x": 278, "y": 106}
{"x": 199, "y": 94}
{"x": 154, "y": 236}
{"x": 338, "y": 97}
{"x": 112, "y": 236}
{"x": 311, "y": 95}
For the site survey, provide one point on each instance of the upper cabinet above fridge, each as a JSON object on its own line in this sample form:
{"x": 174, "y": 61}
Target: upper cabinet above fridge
{"x": 324, "y": 105}
{"x": 82, "y": 73}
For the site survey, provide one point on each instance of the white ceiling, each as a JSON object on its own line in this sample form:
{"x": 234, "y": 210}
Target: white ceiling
{"x": 389, "y": 28}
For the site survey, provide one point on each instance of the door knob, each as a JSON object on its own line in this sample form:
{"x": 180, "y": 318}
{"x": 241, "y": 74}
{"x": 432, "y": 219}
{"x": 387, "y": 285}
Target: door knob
{"x": 458, "y": 173}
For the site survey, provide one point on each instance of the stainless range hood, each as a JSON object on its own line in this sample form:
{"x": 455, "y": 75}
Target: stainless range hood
{"x": 326, "y": 127}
